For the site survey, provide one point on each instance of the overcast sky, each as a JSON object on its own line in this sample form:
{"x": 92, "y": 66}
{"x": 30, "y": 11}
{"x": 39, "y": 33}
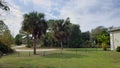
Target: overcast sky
{"x": 87, "y": 13}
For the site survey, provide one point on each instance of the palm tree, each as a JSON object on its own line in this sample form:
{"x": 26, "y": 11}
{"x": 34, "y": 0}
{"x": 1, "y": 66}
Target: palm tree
{"x": 34, "y": 24}
{"x": 61, "y": 30}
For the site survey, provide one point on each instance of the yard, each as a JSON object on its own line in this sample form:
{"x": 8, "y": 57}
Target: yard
{"x": 71, "y": 58}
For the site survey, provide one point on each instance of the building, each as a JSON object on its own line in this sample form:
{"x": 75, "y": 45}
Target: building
{"x": 114, "y": 38}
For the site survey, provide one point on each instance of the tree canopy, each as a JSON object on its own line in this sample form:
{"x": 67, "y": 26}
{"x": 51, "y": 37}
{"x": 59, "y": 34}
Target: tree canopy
{"x": 34, "y": 23}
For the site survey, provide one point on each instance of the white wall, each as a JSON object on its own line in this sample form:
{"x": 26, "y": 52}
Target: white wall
{"x": 115, "y": 39}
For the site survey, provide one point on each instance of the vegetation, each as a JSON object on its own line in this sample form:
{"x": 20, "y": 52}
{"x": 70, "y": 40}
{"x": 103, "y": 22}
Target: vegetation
{"x": 118, "y": 49}
{"x": 85, "y": 58}
{"x": 104, "y": 39}
{"x": 35, "y": 24}
{"x": 75, "y": 38}
{"x": 61, "y": 30}
{"x": 18, "y": 39}
{"x": 6, "y": 39}
{"x": 100, "y": 36}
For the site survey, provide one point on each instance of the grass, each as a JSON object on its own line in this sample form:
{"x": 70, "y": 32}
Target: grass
{"x": 83, "y": 58}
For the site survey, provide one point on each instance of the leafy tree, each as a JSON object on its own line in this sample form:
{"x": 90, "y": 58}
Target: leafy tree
{"x": 18, "y": 39}
{"x": 6, "y": 39}
{"x": 86, "y": 39}
{"x": 35, "y": 24}
{"x": 75, "y": 37}
{"x": 104, "y": 38}
{"x": 96, "y": 32}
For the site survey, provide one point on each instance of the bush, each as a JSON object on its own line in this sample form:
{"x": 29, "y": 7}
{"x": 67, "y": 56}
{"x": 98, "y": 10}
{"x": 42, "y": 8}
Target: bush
{"x": 104, "y": 46}
{"x": 5, "y": 49}
{"x": 18, "y": 39}
{"x": 118, "y": 49}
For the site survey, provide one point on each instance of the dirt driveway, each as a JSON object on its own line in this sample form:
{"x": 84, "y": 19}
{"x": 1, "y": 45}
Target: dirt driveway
{"x": 19, "y": 48}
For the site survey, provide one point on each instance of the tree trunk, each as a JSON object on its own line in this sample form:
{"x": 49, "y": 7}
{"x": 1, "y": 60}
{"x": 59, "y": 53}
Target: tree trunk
{"x": 28, "y": 41}
{"x": 61, "y": 47}
{"x": 34, "y": 46}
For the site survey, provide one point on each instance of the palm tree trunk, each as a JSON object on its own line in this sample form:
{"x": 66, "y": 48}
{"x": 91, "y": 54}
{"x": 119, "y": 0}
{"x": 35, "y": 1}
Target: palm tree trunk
{"x": 28, "y": 41}
{"x": 34, "y": 46}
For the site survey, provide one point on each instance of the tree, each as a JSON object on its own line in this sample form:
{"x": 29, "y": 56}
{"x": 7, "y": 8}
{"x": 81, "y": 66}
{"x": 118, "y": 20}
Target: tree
{"x": 18, "y": 39}
{"x": 6, "y": 39}
{"x": 104, "y": 38}
{"x": 61, "y": 30}
{"x": 75, "y": 37}
{"x": 96, "y": 32}
{"x": 26, "y": 38}
{"x": 86, "y": 42}
{"x": 34, "y": 23}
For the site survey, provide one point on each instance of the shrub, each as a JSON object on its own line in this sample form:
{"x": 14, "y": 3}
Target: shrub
{"x": 104, "y": 46}
{"x": 118, "y": 49}
{"x": 18, "y": 39}
{"x": 5, "y": 49}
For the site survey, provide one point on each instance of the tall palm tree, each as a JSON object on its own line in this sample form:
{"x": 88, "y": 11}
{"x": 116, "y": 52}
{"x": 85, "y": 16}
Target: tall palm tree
{"x": 61, "y": 30}
{"x": 34, "y": 23}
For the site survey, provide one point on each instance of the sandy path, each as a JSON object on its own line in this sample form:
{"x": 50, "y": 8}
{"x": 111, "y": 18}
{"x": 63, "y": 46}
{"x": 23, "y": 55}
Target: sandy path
{"x": 17, "y": 49}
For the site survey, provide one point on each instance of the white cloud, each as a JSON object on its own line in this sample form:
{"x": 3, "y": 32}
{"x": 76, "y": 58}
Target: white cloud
{"x": 87, "y": 13}
{"x": 13, "y": 18}
{"x": 90, "y": 13}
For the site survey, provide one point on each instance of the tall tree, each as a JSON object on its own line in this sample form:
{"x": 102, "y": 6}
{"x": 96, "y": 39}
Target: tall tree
{"x": 61, "y": 30}
{"x": 75, "y": 37}
{"x": 6, "y": 39}
{"x": 34, "y": 23}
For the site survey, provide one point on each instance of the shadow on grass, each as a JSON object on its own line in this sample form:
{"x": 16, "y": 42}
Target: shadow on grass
{"x": 66, "y": 55}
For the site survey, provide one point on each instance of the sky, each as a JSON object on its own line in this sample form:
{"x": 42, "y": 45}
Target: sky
{"x": 87, "y": 13}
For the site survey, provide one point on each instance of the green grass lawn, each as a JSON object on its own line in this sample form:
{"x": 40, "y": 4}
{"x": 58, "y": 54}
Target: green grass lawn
{"x": 83, "y": 58}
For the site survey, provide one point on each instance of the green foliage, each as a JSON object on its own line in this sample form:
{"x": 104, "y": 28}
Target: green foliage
{"x": 35, "y": 24}
{"x": 61, "y": 30}
{"x": 86, "y": 39}
{"x": 104, "y": 46}
{"x": 5, "y": 49}
{"x": 6, "y": 39}
{"x": 104, "y": 39}
{"x": 75, "y": 38}
{"x": 5, "y": 35}
{"x": 101, "y": 36}
{"x": 18, "y": 39}
{"x": 118, "y": 49}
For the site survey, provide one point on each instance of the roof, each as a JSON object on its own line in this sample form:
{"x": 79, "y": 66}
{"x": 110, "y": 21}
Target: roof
{"x": 114, "y": 29}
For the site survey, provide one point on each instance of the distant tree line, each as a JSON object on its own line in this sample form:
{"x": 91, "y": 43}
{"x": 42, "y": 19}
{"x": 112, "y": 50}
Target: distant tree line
{"x": 61, "y": 33}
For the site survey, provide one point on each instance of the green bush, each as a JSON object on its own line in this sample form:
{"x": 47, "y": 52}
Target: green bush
{"x": 118, "y": 49}
{"x": 18, "y": 39}
{"x": 5, "y": 49}
{"x": 104, "y": 46}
